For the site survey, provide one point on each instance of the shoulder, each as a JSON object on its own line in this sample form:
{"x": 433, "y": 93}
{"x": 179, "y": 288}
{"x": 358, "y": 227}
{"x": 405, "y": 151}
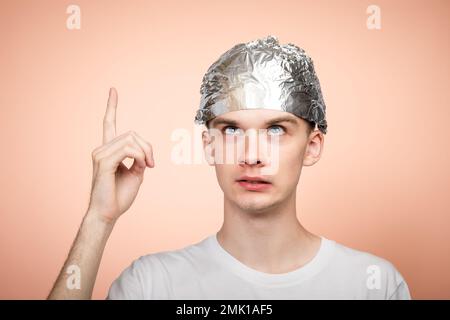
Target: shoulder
{"x": 347, "y": 256}
{"x": 155, "y": 270}
{"x": 174, "y": 260}
{"x": 378, "y": 275}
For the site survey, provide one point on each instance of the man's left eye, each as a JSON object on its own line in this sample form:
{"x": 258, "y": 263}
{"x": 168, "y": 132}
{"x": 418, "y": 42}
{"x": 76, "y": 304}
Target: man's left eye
{"x": 281, "y": 130}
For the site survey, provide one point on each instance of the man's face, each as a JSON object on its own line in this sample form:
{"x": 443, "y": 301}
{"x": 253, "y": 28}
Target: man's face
{"x": 271, "y": 144}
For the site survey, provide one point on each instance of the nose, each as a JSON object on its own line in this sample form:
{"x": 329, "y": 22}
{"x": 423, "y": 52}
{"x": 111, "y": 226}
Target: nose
{"x": 253, "y": 152}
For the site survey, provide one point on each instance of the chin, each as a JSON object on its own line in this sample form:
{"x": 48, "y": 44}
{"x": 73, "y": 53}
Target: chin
{"x": 255, "y": 205}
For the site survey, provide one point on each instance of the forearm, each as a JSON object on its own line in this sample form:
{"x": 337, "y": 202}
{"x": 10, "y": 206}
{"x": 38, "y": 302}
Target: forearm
{"x": 85, "y": 256}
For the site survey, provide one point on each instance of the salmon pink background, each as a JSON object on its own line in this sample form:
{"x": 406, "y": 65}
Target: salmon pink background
{"x": 381, "y": 186}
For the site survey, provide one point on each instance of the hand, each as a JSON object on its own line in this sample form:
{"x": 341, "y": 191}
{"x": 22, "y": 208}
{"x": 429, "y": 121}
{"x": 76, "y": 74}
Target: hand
{"x": 114, "y": 186}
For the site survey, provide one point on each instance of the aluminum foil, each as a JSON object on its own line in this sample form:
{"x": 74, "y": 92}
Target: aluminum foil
{"x": 262, "y": 74}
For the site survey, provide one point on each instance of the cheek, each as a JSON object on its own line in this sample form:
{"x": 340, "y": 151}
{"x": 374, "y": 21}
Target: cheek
{"x": 288, "y": 174}
{"x": 290, "y": 163}
{"x": 224, "y": 175}
{"x": 289, "y": 166}
{"x": 291, "y": 154}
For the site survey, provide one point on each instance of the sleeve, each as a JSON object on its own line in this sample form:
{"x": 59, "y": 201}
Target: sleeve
{"x": 398, "y": 287}
{"x": 401, "y": 292}
{"x": 129, "y": 285}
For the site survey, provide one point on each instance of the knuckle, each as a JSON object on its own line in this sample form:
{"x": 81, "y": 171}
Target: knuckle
{"x": 130, "y": 138}
{"x": 143, "y": 142}
{"x": 129, "y": 142}
{"x": 143, "y": 147}
{"x": 140, "y": 155}
{"x": 146, "y": 145}
{"x": 136, "y": 136}
{"x": 135, "y": 142}
{"x": 128, "y": 149}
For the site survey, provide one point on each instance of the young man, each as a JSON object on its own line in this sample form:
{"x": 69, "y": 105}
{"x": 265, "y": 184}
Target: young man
{"x": 261, "y": 251}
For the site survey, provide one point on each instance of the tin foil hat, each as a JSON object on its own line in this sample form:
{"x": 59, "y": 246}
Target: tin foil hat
{"x": 262, "y": 74}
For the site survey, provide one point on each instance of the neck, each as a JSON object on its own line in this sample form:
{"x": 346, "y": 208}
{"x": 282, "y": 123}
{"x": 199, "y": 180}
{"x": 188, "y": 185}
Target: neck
{"x": 270, "y": 240}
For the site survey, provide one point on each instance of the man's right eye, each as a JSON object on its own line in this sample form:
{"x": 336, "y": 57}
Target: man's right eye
{"x": 233, "y": 131}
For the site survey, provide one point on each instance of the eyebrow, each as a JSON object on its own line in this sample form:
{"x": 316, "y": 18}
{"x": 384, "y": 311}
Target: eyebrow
{"x": 268, "y": 123}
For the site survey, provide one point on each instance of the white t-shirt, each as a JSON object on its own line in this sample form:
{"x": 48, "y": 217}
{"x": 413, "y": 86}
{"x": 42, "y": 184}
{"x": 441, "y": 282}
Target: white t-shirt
{"x": 205, "y": 270}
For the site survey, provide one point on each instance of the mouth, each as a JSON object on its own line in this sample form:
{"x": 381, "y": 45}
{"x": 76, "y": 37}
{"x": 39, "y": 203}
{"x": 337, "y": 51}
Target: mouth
{"x": 254, "y": 181}
{"x": 254, "y": 185}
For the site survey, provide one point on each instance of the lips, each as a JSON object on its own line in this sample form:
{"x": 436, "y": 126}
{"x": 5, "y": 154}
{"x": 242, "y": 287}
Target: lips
{"x": 255, "y": 179}
{"x": 254, "y": 183}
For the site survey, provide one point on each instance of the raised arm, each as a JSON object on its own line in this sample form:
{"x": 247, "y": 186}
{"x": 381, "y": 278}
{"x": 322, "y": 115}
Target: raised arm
{"x": 113, "y": 190}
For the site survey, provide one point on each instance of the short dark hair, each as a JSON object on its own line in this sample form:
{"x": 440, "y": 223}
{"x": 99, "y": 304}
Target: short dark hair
{"x": 310, "y": 125}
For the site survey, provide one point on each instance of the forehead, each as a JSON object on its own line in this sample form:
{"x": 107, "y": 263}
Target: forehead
{"x": 255, "y": 118}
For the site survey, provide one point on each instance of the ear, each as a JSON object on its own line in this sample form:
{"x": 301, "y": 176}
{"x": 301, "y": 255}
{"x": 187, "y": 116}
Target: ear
{"x": 314, "y": 148}
{"x": 208, "y": 147}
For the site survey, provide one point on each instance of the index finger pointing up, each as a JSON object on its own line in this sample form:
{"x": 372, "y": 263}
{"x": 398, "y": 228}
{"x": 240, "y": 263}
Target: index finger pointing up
{"x": 109, "y": 121}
